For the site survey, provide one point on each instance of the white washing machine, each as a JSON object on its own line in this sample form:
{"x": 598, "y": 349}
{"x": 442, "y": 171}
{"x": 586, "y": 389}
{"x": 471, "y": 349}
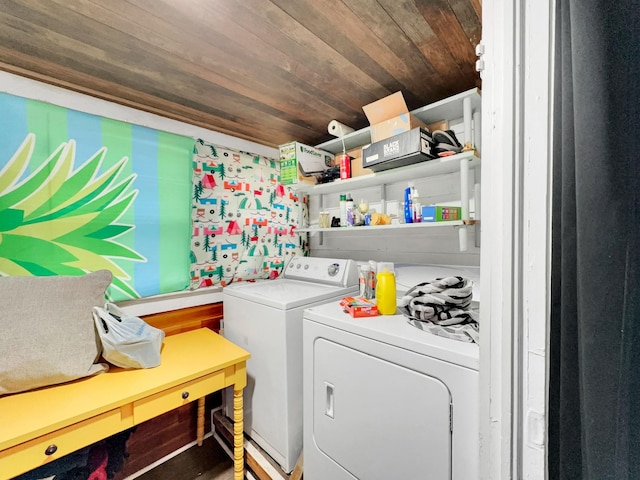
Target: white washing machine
{"x": 265, "y": 318}
{"x": 385, "y": 400}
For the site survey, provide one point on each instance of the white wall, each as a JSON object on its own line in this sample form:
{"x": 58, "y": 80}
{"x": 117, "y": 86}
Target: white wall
{"x": 433, "y": 245}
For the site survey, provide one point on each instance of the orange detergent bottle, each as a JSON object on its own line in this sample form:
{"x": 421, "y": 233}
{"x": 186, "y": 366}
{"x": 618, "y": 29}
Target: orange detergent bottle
{"x": 386, "y": 289}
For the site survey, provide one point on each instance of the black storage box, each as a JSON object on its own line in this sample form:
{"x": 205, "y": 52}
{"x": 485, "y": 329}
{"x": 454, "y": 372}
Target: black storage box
{"x": 406, "y": 148}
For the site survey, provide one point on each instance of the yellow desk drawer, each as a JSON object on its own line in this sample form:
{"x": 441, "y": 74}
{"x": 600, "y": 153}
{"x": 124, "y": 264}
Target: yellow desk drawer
{"x": 32, "y": 454}
{"x": 175, "y": 397}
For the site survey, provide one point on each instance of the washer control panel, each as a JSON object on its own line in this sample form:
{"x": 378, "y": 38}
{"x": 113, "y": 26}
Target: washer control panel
{"x": 330, "y": 271}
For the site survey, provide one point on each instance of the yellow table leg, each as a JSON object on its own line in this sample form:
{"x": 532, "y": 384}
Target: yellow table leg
{"x": 238, "y": 436}
{"x": 200, "y": 430}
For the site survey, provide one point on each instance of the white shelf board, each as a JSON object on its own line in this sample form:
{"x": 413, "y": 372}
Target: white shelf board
{"x": 362, "y": 229}
{"x": 436, "y": 166}
{"x": 351, "y": 140}
{"x": 450, "y": 108}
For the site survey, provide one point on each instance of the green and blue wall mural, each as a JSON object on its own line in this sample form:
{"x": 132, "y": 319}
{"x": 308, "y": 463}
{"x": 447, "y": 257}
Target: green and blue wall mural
{"x": 79, "y": 192}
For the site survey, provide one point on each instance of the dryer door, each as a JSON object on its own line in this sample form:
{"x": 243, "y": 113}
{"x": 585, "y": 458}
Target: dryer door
{"x": 376, "y": 419}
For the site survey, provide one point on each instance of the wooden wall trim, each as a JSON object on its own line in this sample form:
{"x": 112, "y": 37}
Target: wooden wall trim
{"x": 185, "y": 319}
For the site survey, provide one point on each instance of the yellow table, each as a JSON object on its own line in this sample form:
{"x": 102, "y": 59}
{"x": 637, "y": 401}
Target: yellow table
{"x": 40, "y": 426}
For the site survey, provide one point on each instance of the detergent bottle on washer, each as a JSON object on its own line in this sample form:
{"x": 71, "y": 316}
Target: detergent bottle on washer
{"x": 386, "y": 289}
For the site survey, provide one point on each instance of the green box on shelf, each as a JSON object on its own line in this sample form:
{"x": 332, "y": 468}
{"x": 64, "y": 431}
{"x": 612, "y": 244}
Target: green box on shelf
{"x": 440, "y": 213}
{"x": 300, "y": 162}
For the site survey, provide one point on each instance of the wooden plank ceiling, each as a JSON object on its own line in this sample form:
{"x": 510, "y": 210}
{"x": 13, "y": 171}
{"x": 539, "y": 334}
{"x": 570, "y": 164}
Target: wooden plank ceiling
{"x": 269, "y": 71}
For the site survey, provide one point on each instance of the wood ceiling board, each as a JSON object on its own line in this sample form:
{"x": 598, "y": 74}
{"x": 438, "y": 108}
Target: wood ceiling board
{"x": 274, "y": 27}
{"x": 242, "y": 56}
{"x": 422, "y": 35}
{"x": 269, "y": 71}
{"x": 392, "y": 34}
{"x": 334, "y": 23}
{"x": 233, "y": 77}
{"x": 442, "y": 19}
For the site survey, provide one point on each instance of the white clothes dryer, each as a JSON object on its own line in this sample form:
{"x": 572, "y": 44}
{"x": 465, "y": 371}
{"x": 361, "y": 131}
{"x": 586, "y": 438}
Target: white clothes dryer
{"x": 385, "y": 400}
{"x": 265, "y": 318}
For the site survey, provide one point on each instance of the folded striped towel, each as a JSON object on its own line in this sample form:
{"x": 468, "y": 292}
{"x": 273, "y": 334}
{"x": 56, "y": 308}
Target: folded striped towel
{"x": 442, "y": 306}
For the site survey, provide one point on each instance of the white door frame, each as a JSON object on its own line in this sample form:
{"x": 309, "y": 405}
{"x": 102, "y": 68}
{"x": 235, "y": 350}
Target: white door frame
{"x": 516, "y": 119}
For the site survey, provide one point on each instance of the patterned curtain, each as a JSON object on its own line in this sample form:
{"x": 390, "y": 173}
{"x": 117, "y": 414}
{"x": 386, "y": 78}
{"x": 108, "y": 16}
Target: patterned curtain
{"x": 244, "y": 221}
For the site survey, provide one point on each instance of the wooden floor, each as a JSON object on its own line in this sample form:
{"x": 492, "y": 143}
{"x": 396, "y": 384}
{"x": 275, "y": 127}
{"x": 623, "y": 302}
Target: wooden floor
{"x": 208, "y": 462}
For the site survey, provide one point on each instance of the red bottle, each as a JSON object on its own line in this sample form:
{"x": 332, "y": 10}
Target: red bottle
{"x": 345, "y": 167}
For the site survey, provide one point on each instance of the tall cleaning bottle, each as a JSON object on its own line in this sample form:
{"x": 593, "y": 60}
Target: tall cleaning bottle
{"x": 415, "y": 205}
{"x": 366, "y": 290}
{"x": 343, "y": 210}
{"x": 350, "y": 211}
{"x": 373, "y": 277}
{"x": 408, "y": 207}
{"x": 386, "y": 289}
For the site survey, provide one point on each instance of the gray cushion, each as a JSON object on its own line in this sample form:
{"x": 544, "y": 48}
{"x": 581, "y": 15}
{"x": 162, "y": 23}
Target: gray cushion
{"x": 47, "y": 333}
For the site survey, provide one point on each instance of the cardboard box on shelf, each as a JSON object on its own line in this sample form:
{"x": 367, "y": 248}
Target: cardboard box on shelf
{"x": 301, "y": 163}
{"x": 357, "y": 168}
{"x": 440, "y": 213}
{"x": 355, "y": 153}
{"x": 404, "y": 149}
{"x": 441, "y": 125}
{"x": 390, "y": 116}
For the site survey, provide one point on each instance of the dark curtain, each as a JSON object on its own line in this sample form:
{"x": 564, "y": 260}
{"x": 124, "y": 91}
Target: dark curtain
{"x": 594, "y": 387}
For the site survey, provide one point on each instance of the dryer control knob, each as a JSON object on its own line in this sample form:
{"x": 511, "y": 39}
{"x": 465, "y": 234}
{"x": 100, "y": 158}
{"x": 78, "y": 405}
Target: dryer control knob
{"x": 332, "y": 269}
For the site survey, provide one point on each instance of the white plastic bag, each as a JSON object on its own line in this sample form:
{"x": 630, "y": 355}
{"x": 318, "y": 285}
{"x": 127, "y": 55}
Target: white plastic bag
{"x": 127, "y": 341}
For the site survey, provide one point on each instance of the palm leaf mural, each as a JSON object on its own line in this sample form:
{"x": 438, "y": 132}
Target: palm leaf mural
{"x": 60, "y": 221}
